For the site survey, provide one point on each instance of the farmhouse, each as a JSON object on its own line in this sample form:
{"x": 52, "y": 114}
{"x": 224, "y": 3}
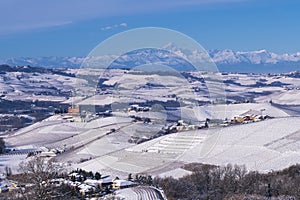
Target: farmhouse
{"x": 119, "y": 184}
{"x": 105, "y": 181}
{"x": 86, "y": 189}
{"x": 92, "y": 182}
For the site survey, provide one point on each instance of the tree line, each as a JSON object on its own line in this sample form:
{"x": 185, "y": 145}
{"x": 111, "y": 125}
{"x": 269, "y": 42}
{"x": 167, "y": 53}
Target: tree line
{"x": 232, "y": 182}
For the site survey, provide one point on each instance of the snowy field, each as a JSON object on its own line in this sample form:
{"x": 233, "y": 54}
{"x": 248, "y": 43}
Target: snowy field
{"x": 102, "y": 144}
{"x": 264, "y": 146}
{"x": 140, "y": 192}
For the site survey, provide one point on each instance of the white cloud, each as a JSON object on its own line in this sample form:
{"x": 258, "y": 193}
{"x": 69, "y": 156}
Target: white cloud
{"x": 106, "y": 28}
{"x": 122, "y": 25}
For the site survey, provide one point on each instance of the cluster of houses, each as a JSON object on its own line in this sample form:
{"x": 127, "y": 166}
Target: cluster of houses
{"x": 249, "y": 117}
{"x": 78, "y": 114}
{"x": 45, "y": 152}
{"x": 51, "y": 153}
{"x": 174, "y": 127}
{"x": 181, "y": 125}
{"x": 88, "y": 184}
{"x": 7, "y": 185}
{"x": 137, "y": 108}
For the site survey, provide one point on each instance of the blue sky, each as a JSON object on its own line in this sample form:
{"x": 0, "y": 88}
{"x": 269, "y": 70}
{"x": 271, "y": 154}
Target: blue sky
{"x": 75, "y": 27}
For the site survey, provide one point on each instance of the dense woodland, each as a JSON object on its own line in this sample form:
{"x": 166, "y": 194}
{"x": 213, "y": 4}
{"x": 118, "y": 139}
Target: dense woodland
{"x": 232, "y": 182}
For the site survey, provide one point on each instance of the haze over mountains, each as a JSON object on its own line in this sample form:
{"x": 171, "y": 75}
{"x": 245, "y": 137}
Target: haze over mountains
{"x": 261, "y": 61}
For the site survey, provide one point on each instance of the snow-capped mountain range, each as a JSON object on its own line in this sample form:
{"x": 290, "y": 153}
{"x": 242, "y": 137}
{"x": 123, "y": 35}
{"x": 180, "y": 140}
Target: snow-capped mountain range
{"x": 226, "y": 60}
{"x": 252, "y": 57}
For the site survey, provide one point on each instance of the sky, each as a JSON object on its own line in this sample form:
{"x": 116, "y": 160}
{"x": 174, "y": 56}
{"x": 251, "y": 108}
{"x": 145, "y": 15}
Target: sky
{"x": 34, "y": 28}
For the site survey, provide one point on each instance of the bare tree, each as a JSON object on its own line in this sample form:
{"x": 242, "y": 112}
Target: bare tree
{"x": 36, "y": 175}
{"x": 40, "y": 169}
